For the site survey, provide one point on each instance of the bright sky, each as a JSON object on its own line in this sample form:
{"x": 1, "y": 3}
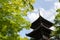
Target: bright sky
{"x": 47, "y": 10}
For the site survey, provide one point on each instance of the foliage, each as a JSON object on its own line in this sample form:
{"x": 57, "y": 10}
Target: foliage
{"x": 59, "y": 0}
{"x": 12, "y": 19}
{"x": 25, "y": 38}
{"x": 56, "y": 33}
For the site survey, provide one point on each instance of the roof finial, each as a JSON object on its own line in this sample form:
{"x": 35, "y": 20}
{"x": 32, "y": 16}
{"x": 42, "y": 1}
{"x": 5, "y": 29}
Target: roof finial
{"x": 39, "y": 11}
